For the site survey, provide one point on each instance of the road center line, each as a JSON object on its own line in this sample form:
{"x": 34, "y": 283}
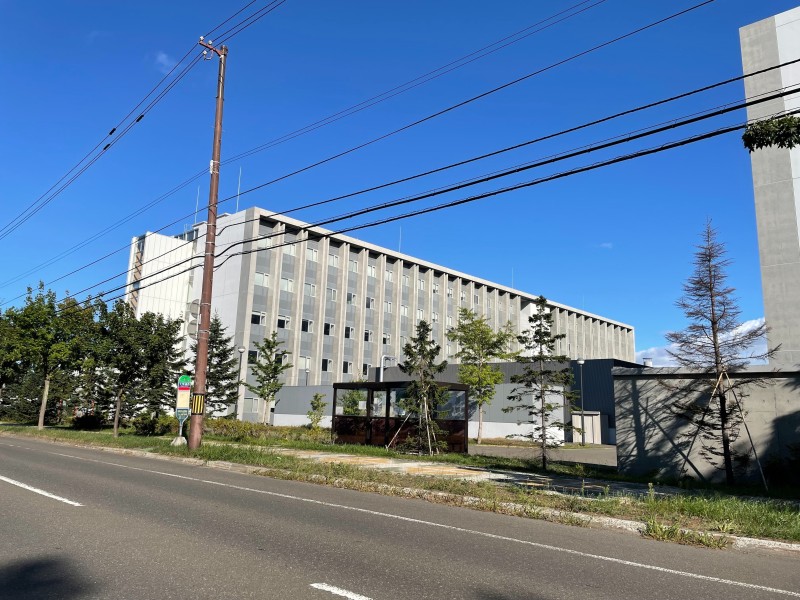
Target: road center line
{"x": 600, "y": 557}
{"x": 30, "y": 488}
{"x": 339, "y": 591}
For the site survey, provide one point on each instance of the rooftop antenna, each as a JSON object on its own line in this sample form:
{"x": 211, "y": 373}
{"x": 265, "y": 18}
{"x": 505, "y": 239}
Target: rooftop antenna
{"x": 238, "y": 189}
{"x": 196, "y": 204}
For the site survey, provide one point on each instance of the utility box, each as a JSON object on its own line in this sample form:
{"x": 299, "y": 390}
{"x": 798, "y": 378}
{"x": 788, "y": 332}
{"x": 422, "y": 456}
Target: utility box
{"x": 595, "y": 427}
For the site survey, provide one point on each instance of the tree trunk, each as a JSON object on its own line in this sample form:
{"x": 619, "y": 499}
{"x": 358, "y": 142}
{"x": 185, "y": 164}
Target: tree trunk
{"x": 726, "y": 441}
{"x": 543, "y": 425}
{"x": 480, "y": 424}
{"x": 43, "y": 407}
{"x": 116, "y": 413}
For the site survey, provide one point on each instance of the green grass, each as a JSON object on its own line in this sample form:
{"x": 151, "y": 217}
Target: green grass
{"x": 664, "y": 516}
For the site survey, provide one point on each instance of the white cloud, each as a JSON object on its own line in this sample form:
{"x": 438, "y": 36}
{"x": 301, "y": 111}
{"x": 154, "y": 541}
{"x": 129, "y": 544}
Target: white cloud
{"x": 606, "y": 245}
{"x": 164, "y": 62}
{"x": 662, "y": 358}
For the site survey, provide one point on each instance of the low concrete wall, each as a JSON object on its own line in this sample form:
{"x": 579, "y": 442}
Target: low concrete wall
{"x": 653, "y": 440}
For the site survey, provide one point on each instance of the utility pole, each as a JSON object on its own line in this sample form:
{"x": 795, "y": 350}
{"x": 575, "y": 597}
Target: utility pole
{"x": 201, "y": 364}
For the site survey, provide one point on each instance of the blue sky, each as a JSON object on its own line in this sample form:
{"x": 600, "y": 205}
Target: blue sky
{"x": 617, "y": 241}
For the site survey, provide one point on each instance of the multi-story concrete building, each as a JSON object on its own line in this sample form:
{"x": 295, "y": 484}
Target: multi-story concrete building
{"x": 340, "y": 305}
{"x": 776, "y": 182}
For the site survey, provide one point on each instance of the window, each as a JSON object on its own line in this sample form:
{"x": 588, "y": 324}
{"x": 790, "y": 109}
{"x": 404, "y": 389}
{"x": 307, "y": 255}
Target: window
{"x": 263, "y": 243}
{"x": 261, "y": 279}
{"x": 370, "y": 303}
{"x": 463, "y": 296}
{"x": 449, "y": 320}
{"x": 331, "y": 294}
{"x": 367, "y": 335}
{"x": 307, "y": 326}
{"x": 252, "y": 356}
{"x": 311, "y": 254}
{"x": 387, "y": 338}
{"x": 435, "y": 288}
{"x": 403, "y": 310}
{"x": 389, "y": 276}
{"x": 435, "y": 317}
{"x": 349, "y": 333}
{"x": 333, "y": 260}
{"x": 326, "y": 365}
{"x": 420, "y": 314}
{"x": 371, "y": 270}
{"x": 328, "y": 329}
{"x": 403, "y": 341}
{"x": 489, "y": 304}
{"x": 353, "y": 266}
{"x": 258, "y": 318}
{"x": 290, "y": 249}
{"x": 449, "y": 292}
{"x": 476, "y": 299}
{"x": 283, "y": 322}
{"x": 449, "y": 349}
{"x": 387, "y": 306}
{"x": 351, "y": 298}
{"x": 347, "y": 367}
{"x": 405, "y": 280}
{"x": 310, "y": 289}
{"x": 365, "y": 369}
{"x": 287, "y": 285}
{"x": 421, "y": 284}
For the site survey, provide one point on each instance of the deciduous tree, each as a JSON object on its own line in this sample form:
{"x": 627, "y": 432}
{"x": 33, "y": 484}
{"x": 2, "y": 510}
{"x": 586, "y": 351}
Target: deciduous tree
{"x": 479, "y": 345}
{"x": 714, "y": 342}
{"x": 271, "y": 364}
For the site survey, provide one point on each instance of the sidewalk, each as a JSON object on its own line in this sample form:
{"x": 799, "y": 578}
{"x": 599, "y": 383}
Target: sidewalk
{"x": 549, "y": 482}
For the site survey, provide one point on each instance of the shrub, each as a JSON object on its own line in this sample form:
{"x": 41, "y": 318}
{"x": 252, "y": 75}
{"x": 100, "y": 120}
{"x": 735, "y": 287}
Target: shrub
{"x": 88, "y": 421}
{"x": 154, "y": 424}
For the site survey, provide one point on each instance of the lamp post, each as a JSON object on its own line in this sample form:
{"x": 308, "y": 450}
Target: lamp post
{"x": 307, "y": 372}
{"x": 241, "y": 350}
{"x": 384, "y": 358}
{"x": 583, "y": 428}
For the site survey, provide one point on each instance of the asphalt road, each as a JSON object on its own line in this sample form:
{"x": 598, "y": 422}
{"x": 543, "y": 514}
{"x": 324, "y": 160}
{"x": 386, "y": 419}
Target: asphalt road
{"x": 148, "y": 528}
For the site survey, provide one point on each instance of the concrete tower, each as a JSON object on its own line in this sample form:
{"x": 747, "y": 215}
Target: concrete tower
{"x": 776, "y": 181}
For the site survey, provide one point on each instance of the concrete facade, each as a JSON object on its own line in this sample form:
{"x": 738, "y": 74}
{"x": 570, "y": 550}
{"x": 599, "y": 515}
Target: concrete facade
{"x": 775, "y": 180}
{"x": 340, "y": 304}
{"x": 652, "y": 440}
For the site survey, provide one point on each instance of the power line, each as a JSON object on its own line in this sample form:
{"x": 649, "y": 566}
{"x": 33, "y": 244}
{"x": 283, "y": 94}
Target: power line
{"x": 420, "y": 80}
{"x": 41, "y": 200}
{"x": 48, "y": 197}
{"x": 472, "y": 181}
{"x": 452, "y": 204}
{"x": 557, "y": 158}
{"x": 485, "y": 94}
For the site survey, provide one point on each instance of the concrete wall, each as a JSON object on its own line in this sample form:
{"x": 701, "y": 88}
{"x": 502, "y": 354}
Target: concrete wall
{"x": 651, "y": 439}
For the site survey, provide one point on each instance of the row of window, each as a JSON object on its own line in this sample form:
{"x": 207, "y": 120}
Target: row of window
{"x": 306, "y": 325}
{"x": 310, "y": 289}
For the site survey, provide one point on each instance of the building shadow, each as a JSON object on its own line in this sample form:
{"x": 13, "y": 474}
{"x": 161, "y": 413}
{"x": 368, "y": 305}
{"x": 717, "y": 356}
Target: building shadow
{"x": 42, "y": 578}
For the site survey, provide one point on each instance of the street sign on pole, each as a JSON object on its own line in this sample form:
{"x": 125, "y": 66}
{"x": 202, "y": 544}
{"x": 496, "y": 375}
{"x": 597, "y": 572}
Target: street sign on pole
{"x": 182, "y": 407}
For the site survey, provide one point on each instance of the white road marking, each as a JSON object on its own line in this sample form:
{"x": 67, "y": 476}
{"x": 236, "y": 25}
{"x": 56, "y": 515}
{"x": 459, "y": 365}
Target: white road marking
{"x": 30, "y": 488}
{"x": 339, "y": 591}
{"x": 600, "y": 557}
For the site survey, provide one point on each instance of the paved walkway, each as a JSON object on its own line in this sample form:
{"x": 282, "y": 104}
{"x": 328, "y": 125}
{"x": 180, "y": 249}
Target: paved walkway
{"x": 548, "y": 482}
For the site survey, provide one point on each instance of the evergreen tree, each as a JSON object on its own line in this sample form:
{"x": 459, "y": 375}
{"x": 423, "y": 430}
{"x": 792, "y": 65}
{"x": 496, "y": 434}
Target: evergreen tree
{"x": 542, "y": 381}
{"x": 423, "y": 395}
{"x": 478, "y": 345}
{"x": 271, "y": 364}
{"x": 713, "y": 342}
{"x": 222, "y": 378}
{"x": 164, "y": 362}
